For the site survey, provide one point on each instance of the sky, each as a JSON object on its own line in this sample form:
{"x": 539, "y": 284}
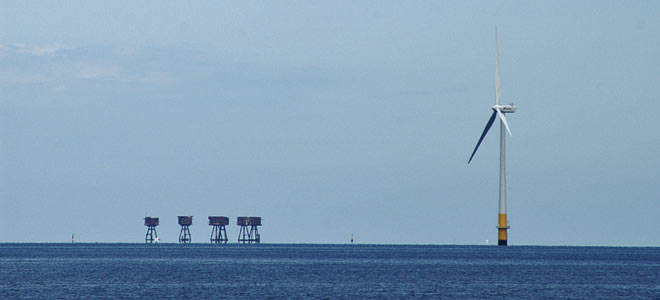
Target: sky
{"x": 329, "y": 118}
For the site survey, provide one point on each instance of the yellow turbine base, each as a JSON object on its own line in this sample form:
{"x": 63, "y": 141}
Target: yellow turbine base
{"x": 501, "y": 230}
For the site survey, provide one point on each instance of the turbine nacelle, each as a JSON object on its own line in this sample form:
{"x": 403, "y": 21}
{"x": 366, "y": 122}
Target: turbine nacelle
{"x": 505, "y": 109}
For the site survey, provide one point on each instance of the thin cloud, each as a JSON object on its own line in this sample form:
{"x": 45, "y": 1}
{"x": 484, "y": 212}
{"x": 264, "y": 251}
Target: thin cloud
{"x": 21, "y": 48}
{"x": 91, "y": 70}
{"x": 158, "y": 78}
{"x": 23, "y": 64}
{"x": 11, "y": 78}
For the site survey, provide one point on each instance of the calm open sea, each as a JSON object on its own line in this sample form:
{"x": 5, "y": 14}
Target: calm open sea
{"x": 272, "y": 271}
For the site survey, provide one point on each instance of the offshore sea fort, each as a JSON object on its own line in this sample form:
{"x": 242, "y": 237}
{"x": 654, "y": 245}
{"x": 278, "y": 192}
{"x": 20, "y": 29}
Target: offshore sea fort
{"x": 283, "y": 271}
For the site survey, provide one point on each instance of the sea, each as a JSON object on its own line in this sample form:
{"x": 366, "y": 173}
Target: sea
{"x": 310, "y": 271}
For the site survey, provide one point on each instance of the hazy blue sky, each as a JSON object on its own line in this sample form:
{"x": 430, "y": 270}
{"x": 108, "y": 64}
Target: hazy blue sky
{"x": 329, "y": 118}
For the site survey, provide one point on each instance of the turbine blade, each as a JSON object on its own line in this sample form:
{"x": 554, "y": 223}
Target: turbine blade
{"x": 503, "y": 118}
{"x": 483, "y": 134}
{"x": 498, "y": 82}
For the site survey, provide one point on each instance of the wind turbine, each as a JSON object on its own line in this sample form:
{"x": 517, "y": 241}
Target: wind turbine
{"x": 499, "y": 111}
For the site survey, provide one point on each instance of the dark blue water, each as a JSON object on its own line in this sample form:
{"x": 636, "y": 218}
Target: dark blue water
{"x": 170, "y": 271}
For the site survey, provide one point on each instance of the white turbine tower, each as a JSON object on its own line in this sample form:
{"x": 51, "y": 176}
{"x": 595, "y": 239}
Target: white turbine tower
{"x": 499, "y": 110}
